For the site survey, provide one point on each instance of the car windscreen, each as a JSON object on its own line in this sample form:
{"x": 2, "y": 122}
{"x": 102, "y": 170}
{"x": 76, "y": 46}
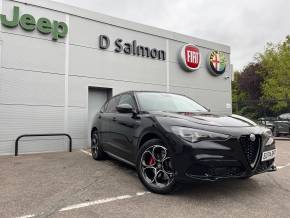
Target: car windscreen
{"x": 152, "y": 101}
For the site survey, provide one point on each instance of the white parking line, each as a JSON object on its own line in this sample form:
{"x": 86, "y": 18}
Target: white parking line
{"x": 141, "y": 193}
{"x": 91, "y": 203}
{"x": 27, "y": 216}
{"x": 86, "y": 152}
{"x": 101, "y": 201}
{"x": 281, "y": 167}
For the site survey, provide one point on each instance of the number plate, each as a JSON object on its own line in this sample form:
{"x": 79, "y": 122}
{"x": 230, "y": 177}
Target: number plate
{"x": 268, "y": 155}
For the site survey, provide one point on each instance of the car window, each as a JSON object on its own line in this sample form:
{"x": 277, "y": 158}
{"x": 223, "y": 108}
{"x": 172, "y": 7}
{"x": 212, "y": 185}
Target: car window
{"x": 127, "y": 99}
{"x": 112, "y": 104}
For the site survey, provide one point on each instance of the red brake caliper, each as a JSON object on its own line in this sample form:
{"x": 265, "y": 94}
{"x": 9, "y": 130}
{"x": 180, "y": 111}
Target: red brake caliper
{"x": 151, "y": 161}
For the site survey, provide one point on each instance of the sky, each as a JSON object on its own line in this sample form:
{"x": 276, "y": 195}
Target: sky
{"x": 246, "y": 26}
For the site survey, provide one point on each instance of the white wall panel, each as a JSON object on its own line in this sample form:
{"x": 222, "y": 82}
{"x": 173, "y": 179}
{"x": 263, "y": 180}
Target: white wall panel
{"x": 7, "y": 147}
{"x": 33, "y": 88}
{"x": 20, "y": 119}
{"x": 110, "y": 65}
{"x": 32, "y": 54}
{"x": 199, "y": 79}
{"x": 77, "y": 122}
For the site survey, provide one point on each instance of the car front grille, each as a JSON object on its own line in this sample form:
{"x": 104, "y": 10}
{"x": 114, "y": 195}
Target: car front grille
{"x": 226, "y": 171}
{"x": 209, "y": 171}
{"x": 251, "y": 148}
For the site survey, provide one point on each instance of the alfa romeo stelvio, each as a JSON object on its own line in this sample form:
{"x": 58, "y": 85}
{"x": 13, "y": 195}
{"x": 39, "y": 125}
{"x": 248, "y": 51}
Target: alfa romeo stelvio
{"x": 171, "y": 139}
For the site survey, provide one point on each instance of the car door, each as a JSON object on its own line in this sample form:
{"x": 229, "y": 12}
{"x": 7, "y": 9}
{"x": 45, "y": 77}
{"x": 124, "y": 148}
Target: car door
{"x": 125, "y": 126}
{"x": 107, "y": 119}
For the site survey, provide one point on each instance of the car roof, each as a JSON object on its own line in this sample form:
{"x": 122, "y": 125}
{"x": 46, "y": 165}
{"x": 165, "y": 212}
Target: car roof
{"x": 135, "y": 91}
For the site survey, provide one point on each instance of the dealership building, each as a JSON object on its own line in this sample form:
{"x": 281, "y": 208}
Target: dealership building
{"x": 59, "y": 64}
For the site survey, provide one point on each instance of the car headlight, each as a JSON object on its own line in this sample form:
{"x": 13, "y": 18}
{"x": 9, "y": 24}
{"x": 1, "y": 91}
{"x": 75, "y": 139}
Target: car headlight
{"x": 268, "y": 132}
{"x": 269, "y": 137}
{"x": 195, "y": 135}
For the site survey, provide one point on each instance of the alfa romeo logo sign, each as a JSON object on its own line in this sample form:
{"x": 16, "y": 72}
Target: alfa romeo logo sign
{"x": 189, "y": 57}
{"x": 217, "y": 63}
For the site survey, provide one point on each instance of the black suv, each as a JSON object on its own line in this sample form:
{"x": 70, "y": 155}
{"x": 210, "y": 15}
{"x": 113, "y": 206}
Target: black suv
{"x": 170, "y": 138}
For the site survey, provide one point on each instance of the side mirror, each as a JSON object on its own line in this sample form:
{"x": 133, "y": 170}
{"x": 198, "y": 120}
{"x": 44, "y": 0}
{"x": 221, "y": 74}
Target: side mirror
{"x": 124, "y": 108}
{"x": 208, "y": 109}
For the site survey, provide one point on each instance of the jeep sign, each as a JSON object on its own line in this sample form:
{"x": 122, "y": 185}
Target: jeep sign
{"x": 28, "y": 23}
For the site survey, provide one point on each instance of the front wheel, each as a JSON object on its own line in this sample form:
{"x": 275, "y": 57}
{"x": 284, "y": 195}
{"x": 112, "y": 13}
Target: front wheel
{"x": 155, "y": 168}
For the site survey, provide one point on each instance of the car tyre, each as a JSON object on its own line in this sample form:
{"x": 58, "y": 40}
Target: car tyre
{"x": 154, "y": 167}
{"x": 96, "y": 149}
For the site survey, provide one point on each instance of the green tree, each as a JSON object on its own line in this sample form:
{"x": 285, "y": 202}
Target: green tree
{"x": 263, "y": 88}
{"x": 246, "y": 91}
{"x": 239, "y": 97}
{"x": 275, "y": 62}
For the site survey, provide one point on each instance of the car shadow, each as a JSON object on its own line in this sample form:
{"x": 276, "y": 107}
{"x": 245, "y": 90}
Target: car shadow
{"x": 229, "y": 187}
{"x": 122, "y": 167}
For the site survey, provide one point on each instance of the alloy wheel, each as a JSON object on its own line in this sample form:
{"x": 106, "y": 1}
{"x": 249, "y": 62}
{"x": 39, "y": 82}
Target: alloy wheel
{"x": 156, "y": 166}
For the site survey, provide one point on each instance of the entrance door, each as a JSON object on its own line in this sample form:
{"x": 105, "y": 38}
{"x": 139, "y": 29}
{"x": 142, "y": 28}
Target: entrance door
{"x": 96, "y": 98}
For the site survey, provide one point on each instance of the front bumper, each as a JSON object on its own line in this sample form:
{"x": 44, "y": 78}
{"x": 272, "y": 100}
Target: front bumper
{"x": 212, "y": 160}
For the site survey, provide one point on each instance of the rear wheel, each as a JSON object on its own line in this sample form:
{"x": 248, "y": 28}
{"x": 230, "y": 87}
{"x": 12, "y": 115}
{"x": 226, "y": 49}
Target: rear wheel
{"x": 155, "y": 168}
{"x": 96, "y": 149}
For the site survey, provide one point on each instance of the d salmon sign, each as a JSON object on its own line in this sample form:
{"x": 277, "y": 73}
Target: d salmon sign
{"x": 189, "y": 57}
{"x": 216, "y": 62}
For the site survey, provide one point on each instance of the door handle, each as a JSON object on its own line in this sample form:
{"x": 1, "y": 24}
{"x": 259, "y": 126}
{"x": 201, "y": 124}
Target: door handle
{"x": 114, "y": 118}
{"x": 100, "y": 117}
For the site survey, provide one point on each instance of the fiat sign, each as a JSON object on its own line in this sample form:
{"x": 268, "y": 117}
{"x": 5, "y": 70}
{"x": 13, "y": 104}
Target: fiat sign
{"x": 189, "y": 57}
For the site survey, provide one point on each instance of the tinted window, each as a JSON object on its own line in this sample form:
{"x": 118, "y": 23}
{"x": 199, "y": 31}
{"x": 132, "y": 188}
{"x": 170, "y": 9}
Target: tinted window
{"x": 112, "y": 104}
{"x": 152, "y": 101}
{"x": 127, "y": 99}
